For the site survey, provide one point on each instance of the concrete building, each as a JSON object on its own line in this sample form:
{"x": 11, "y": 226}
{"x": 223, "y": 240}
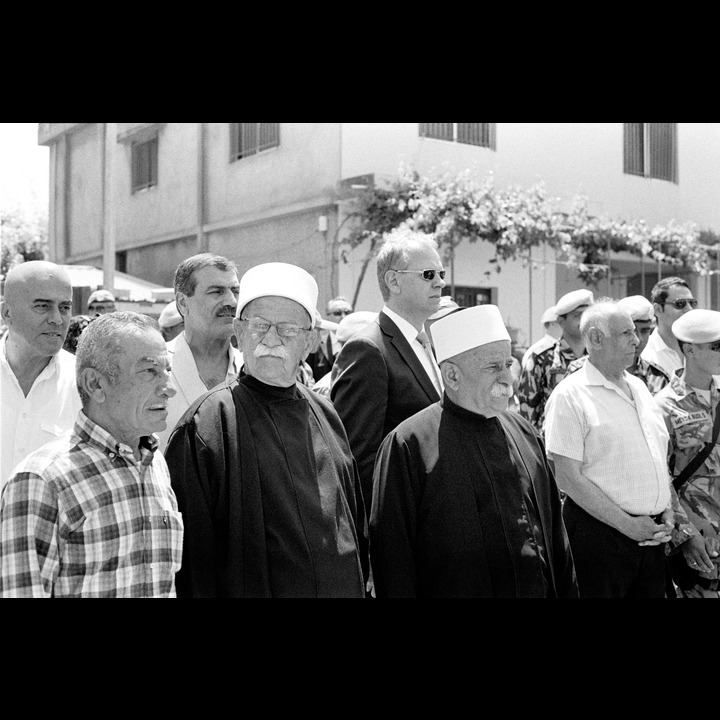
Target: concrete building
{"x": 140, "y": 197}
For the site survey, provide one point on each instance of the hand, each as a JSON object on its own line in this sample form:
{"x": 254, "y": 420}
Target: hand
{"x": 649, "y": 533}
{"x": 698, "y": 553}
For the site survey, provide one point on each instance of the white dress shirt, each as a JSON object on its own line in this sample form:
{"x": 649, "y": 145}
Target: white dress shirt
{"x": 187, "y": 381}
{"x": 48, "y": 411}
{"x": 410, "y": 333}
{"x": 660, "y": 354}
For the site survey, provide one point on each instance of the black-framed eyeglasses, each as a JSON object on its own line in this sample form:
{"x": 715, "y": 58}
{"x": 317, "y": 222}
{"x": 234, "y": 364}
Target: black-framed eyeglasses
{"x": 680, "y": 304}
{"x": 428, "y": 275}
{"x": 338, "y": 313}
{"x": 259, "y": 327}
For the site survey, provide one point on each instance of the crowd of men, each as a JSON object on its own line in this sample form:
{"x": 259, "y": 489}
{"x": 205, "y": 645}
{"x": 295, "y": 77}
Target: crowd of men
{"x": 247, "y": 446}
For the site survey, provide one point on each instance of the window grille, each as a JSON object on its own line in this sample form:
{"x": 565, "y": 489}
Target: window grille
{"x": 144, "y": 164}
{"x": 650, "y": 150}
{"x": 250, "y": 138}
{"x": 481, "y": 134}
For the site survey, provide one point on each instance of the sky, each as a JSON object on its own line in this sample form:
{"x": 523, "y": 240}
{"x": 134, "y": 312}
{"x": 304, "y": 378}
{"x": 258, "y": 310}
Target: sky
{"x": 24, "y": 168}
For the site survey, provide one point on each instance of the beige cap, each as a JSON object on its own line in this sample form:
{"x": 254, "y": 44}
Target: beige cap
{"x": 170, "y": 317}
{"x": 467, "y": 329}
{"x": 354, "y": 322}
{"x": 573, "y": 300}
{"x": 281, "y": 280}
{"x": 549, "y": 316}
{"x": 698, "y": 326}
{"x": 101, "y": 296}
{"x": 446, "y": 306}
{"x": 639, "y": 307}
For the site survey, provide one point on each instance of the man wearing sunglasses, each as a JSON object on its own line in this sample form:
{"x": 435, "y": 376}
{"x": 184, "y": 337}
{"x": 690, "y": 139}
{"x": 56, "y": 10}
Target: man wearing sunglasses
{"x": 671, "y": 298}
{"x": 384, "y": 374}
{"x": 690, "y": 403}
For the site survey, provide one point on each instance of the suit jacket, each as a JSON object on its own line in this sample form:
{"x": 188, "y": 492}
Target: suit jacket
{"x": 322, "y": 360}
{"x": 187, "y": 381}
{"x": 377, "y": 382}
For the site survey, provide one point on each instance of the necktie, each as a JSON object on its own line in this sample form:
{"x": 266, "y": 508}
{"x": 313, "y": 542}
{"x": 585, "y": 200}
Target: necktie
{"x": 424, "y": 340}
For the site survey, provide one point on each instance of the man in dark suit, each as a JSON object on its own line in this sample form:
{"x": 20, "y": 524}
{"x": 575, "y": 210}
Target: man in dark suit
{"x": 323, "y": 357}
{"x": 384, "y": 374}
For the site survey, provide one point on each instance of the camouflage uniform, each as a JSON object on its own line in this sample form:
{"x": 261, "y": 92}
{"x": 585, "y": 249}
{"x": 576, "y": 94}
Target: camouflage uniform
{"x": 540, "y": 375}
{"x": 689, "y": 421}
{"x": 654, "y": 378}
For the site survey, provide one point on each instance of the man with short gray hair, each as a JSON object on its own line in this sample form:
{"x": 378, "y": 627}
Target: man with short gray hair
{"x": 93, "y": 514}
{"x": 608, "y": 441}
{"x": 387, "y": 371}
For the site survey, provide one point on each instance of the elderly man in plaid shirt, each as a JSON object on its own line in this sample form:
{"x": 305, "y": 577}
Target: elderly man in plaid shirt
{"x": 93, "y": 513}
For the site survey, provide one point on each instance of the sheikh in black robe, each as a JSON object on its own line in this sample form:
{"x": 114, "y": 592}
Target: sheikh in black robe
{"x": 467, "y": 506}
{"x": 269, "y": 494}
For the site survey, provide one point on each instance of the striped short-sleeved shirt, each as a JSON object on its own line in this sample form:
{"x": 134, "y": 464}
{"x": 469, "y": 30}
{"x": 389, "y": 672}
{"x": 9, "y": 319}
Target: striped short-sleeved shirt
{"x": 81, "y": 517}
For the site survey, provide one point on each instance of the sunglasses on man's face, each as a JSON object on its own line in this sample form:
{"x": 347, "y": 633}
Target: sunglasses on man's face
{"x": 680, "y": 304}
{"x": 428, "y": 275}
{"x": 338, "y": 313}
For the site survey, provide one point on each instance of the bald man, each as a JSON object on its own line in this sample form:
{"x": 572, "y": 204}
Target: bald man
{"x": 39, "y": 395}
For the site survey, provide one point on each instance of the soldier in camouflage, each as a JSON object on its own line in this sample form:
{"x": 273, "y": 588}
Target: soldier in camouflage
{"x": 542, "y": 371}
{"x": 689, "y": 403}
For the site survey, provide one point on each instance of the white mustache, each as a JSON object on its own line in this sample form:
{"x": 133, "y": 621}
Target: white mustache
{"x": 279, "y": 352}
{"x": 498, "y": 391}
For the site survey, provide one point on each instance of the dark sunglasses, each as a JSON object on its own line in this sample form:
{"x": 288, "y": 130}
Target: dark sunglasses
{"x": 338, "y": 313}
{"x": 680, "y": 304}
{"x": 428, "y": 275}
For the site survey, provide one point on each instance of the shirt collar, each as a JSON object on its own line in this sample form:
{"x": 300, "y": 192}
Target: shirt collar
{"x": 404, "y": 326}
{"x": 97, "y": 435}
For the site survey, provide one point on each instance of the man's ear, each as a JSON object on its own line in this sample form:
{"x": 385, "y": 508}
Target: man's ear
{"x": 391, "y": 280}
{"x": 4, "y": 311}
{"x": 450, "y": 375}
{"x": 181, "y": 302}
{"x": 93, "y": 383}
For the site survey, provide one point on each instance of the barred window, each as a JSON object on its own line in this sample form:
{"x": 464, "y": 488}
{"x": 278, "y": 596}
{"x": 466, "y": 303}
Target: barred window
{"x": 251, "y": 138}
{"x": 144, "y": 164}
{"x": 481, "y": 134}
{"x": 650, "y": 150}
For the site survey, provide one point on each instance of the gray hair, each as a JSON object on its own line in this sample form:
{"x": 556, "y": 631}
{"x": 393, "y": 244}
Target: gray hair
{"x": 597, "y": 315}
{"x": 103, "y": 343}
{"x": 185, "y": 280}
{"x": 393, "y": 255}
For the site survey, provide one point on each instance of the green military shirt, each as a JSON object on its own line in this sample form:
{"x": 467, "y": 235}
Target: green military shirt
{"x": 539, "y": 377}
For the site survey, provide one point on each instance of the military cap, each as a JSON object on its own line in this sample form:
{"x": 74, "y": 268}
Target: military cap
{"x": 639, "y": 307}
{"x": 698, "y": 326}
{"x": 101, "y": 296}
{"x": 573, "y": 300}
{"x": 549, "y": 316}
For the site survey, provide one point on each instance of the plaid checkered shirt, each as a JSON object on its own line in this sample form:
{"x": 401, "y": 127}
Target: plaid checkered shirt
{"x": 80, "y": 517}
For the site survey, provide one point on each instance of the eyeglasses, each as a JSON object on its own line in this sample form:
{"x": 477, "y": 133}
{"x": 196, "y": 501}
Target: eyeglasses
{"x": 680, "y": 304}
{"x": 338, "y": 313}
{"x": 715, "y": 347}
{"x": 259, "y": 327}
{"x": 428, "y": 275}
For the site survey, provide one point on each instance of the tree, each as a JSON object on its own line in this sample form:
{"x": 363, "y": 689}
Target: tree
{"x": 24, "y": 237}
{"x": 458, "y": 208}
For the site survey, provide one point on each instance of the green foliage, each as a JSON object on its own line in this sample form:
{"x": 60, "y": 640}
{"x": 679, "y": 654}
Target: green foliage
{"x": 24, "y": 237}
{"x": 462, "y": 208}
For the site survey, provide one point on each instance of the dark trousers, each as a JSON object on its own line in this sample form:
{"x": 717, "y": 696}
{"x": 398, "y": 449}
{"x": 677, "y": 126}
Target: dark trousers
{"x": 609, "y": 564}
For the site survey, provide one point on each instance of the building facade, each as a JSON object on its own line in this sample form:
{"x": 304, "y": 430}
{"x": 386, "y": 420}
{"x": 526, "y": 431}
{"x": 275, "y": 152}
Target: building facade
{"x": 140, "y": 197}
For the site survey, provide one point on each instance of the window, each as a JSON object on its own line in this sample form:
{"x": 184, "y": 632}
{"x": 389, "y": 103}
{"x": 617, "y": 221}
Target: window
{"x": 251, "y": 138}
{"x": 466, "y": 296}
{"x": 651, "y": 150}
{"x": 482, "y": 134}
{"x": 144, "y": 164}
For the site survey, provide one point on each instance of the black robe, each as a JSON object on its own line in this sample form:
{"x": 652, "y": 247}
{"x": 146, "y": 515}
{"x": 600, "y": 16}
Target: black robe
{"x": 270, "y": 495}
{"x": 467, "y": 506}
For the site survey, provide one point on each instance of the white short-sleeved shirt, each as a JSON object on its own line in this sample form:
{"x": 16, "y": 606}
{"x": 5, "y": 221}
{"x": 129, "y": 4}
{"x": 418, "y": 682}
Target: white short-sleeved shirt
{"x": 48, "y": 411}
{"x": 621, "y": 442}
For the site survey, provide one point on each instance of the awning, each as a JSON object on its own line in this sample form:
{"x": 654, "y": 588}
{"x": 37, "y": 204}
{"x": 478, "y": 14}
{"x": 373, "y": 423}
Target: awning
{"x": 126, "y": 287}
